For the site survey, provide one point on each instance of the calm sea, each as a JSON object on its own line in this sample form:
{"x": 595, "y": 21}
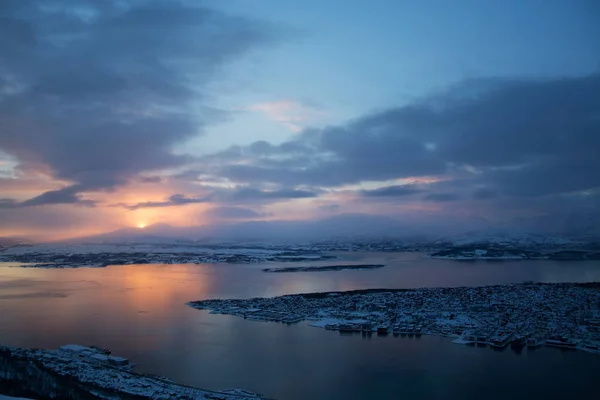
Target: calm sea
{"x": 139, "y": 312}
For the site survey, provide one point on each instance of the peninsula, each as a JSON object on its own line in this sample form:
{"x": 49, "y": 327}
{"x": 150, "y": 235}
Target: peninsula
{"x": 555, "y": 314}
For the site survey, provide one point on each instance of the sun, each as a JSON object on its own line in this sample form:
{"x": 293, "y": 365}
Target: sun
{"x": 141, "y": 225}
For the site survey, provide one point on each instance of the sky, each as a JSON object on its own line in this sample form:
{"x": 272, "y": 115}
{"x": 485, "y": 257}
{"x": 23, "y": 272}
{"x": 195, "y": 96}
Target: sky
{"x": 129, "y": 113}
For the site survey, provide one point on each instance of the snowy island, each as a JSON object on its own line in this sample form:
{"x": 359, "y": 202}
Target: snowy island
{"x": 79, "y": 372}
{"x": 325, "y": 268}
{"x": 563, "y": 315}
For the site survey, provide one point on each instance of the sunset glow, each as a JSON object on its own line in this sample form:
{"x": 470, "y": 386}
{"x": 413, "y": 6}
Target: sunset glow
{"x": 229, "y": 128}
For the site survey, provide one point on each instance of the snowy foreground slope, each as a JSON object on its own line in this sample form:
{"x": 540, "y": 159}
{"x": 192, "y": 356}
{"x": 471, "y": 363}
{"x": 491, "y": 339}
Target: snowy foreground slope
{"x": 76, "y": 372}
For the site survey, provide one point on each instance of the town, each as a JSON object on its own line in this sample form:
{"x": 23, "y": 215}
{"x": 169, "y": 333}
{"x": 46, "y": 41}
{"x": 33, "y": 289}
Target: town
{"x": 565, "y": 315}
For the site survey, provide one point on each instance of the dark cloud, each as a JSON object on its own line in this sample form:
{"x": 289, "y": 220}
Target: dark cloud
{"x": 8, "y": 203}
{"x": 483, "y": 194}
{"x": 98, "y": 91}
{"x": 338, "y": 156}
{"x": 392, "y": 191}
{"x": 250, "y": 194}
{"x": 234, "y": 213}
{"x": 442, "y": 197}
{"x": 151, "y": 179}
{"x": 330, "y": 207}
{"x": 560, "y": 173}
{"x": 530, "y": 138}
{"x": 174, "y": 200}
{"x": 231, "y": 196}
{"x": 68, "y": 195}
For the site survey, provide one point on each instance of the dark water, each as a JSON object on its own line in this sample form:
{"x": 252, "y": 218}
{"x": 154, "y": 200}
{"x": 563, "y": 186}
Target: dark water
{"x": 140, "y": 312}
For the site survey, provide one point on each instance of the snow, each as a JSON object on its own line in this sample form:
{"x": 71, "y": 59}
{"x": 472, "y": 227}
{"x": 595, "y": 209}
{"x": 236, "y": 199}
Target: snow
{"x": 75, "y": 348}
{"x": 71, "y": 249}
{"x": 100, "y": 357}
{"x": 321, "y": 323}
{"x": 100, "y": 255}
{"x": 461, "y": 341}
{"x": 325, "y": 321}
{"x": 459, "y": 320}
{"x": 90, "y": 367}
{"x": 524, "y": 240}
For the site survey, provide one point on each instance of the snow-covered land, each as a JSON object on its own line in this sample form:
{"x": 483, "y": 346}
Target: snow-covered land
{"x": 72, "y": 255}
{"x": 558, "y": 314}
{"x": 496, "y": 253}
{"x": 101, "y": 255}
{"x": 78, "y": 372}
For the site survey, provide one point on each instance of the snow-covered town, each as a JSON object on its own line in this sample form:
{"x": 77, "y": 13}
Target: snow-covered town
{"x": 75, "y": 371}
{"x": 565, "y": 315}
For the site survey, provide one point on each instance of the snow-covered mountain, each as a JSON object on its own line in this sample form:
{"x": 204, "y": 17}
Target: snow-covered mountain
{"x": 551, "y": 230}
{"x": 343, "y": 225}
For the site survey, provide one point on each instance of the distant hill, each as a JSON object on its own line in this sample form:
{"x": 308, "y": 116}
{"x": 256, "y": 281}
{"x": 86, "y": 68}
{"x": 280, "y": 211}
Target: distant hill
{"x": 135, "y": 235}
{"x": 343, "y": 225}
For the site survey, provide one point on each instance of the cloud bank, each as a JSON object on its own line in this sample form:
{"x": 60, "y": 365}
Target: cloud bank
{"x": 531, "y": 143}
{"x": 98, "y": 99}
{"x": 94, "y": 92}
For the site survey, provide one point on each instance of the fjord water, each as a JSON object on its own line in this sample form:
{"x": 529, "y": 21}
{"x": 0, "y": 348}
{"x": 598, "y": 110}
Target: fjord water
{"x": 139, "y": 312}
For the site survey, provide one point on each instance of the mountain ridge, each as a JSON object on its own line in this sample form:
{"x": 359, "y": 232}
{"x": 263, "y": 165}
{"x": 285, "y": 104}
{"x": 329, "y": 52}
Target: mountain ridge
{"x": 356, "y": 226}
